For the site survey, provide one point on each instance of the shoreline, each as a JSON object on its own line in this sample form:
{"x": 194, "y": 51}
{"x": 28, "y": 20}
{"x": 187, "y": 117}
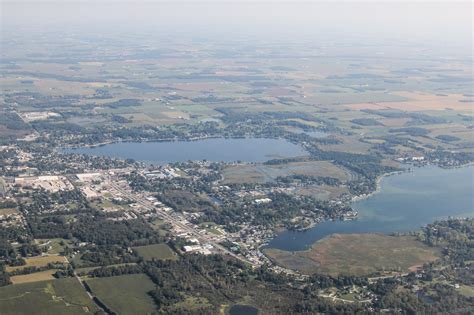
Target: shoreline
{"x": 176, "y": 139}
{"x": 264, "y": 244}
{"x": 362, "y": 197}
{"x": 95, "y": 145}
{"x": 378, "y": 185}
{"x": 379, "y": 178}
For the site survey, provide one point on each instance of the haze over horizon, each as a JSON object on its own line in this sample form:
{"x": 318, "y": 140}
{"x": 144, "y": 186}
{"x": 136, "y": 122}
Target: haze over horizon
{"x": 428, "y": 23}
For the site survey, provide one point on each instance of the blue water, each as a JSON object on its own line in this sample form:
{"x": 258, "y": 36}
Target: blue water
{"x": 218, "y": 149}
{"x": 405, "y": 203}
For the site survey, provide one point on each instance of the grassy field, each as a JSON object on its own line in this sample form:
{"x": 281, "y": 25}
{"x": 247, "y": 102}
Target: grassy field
{"x": 196, "y": 305}
{"x": 38, "y": 261}
{"x": 466, "y": 291}
{"x": 210, "y": 227}
{"x": 156, "y": 251}
{"x": 34, "y": 277}
{"x": 126, "y": 294}
{"x": 416, "y": 101}
{"x": 105, "y": 204}
{"x": 358, "y": 254}
{"x": 350, "y": 144}
{"x": 323, "y": 192}
{"x": 265, "y": 173}
{"x": 161, "y": 227}
{"x": 62, "y": 296}
{"x": 55, "y": 245}
{"x": 8, "y": 211}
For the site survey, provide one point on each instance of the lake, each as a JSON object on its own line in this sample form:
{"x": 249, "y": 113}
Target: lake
{"x": 314, "y": 134}
{"x": 317, "y": 134}
{"x": 215, "y": 149}
{"x": 243, "y": 310}
{"x": 404, "y": 203}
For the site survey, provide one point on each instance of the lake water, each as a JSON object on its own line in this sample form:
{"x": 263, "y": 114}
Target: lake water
{"x": 317, "y": 134}
{"x": 314, "y": 134}
{"x": 217, "y": 149}
{"x": 405, "y": 203}
{"x": 243, "y": 310}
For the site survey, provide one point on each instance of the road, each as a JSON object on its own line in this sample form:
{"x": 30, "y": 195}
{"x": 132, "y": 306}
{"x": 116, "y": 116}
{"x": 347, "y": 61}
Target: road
{"x": 169, "y": 219}
{"x": 89, "y": 294}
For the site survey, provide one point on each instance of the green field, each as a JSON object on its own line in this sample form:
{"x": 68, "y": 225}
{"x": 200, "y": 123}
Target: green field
{"x": 156, "y": 251}
{"x": 358, "y": 254}
{"x": 62, "y": 296}
{"x": 161, "y": 227}
{"x": 126, "y": 294}
{"x": 54, "y": 245}
{"x": 210, "y": 227}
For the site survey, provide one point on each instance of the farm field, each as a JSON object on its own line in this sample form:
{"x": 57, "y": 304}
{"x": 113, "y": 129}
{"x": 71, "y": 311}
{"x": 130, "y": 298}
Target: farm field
{"x": 358, "y": 255}
{"x": 349, "y": 144}
{"x": 62, "y": 296}
{"x": 39, "y": 261}
{"x": 8, "y": 211}
{"x": 126, "y": 294}
{"x": 156, "y": 251}
{"x": 34, "y": 277}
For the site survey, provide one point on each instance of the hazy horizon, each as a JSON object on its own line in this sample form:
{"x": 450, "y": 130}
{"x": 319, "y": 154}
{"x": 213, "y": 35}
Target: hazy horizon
{"x": 429, "y": 23}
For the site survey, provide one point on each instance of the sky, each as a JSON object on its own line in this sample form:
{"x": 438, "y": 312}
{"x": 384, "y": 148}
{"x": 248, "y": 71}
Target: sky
{"x": 441, "y": 22}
